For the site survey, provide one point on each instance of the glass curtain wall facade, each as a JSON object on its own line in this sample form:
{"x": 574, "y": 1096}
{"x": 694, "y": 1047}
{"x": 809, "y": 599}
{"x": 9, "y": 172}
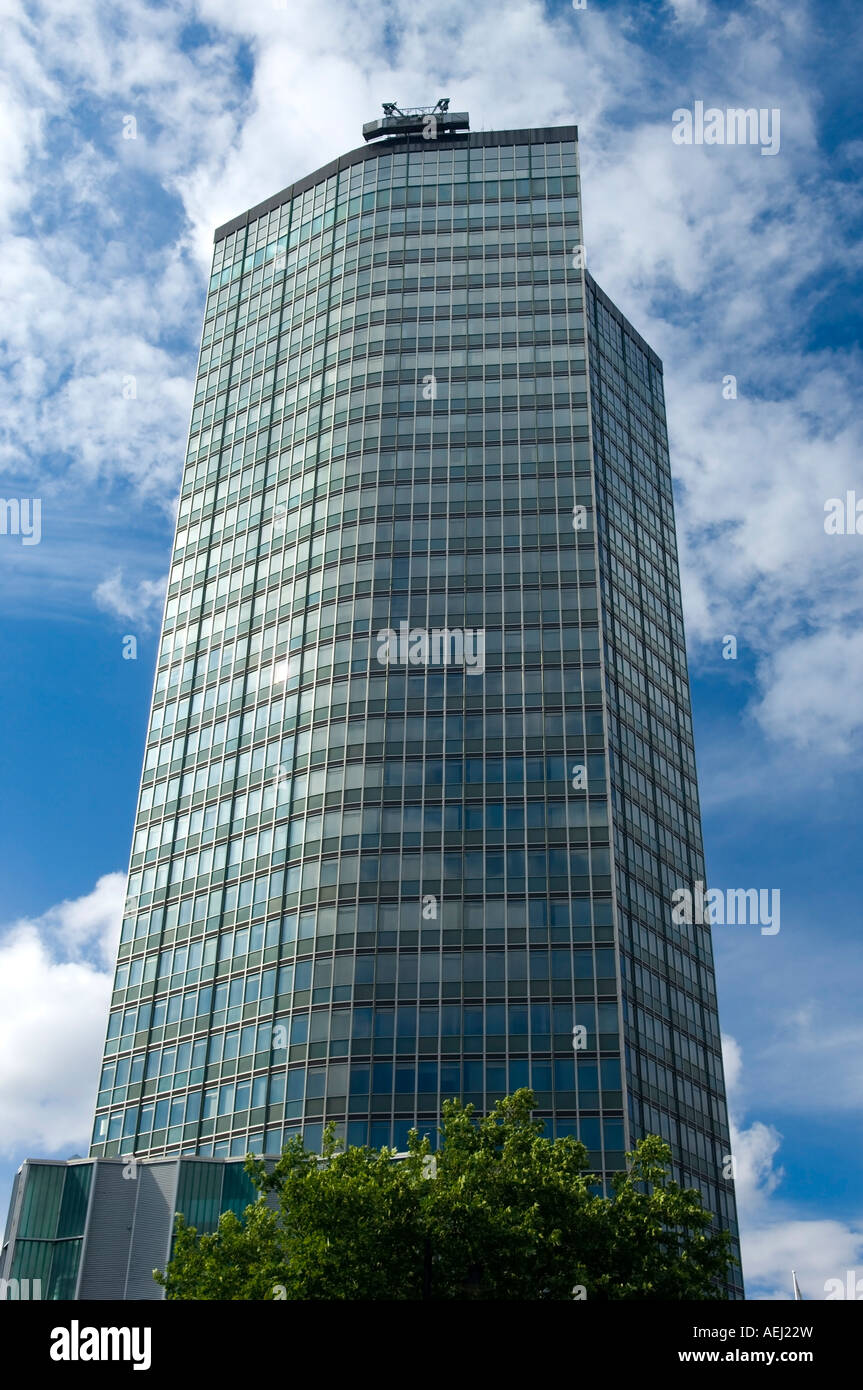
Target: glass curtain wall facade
{"x": 673, "y": 1057}
{"x": 50, "y": 1230}
{"x": 408, "y": 816}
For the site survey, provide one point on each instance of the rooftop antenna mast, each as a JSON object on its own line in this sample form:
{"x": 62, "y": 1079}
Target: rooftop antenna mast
{"x": 391, "y": 108}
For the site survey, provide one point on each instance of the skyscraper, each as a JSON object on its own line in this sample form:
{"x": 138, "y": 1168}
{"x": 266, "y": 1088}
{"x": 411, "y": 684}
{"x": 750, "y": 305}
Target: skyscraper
{"x": 419, "y": 780}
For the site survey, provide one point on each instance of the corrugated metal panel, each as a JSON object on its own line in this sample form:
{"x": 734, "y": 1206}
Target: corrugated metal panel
{"x": 154, "y": 1221}
{"x": 106, "y": 1246}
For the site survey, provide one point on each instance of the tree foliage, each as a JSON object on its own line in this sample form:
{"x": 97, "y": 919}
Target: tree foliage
{"x": 499, "y": 1212}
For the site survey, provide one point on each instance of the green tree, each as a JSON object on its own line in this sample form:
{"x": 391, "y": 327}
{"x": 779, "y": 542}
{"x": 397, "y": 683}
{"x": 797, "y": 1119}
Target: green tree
{"x": 499, "y": 1212}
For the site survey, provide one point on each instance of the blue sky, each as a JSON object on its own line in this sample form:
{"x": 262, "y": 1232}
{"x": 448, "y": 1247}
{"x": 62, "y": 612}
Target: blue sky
{"x": 727, "y": 261}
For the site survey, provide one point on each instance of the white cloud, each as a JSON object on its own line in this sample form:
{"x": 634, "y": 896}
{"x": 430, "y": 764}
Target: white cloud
{"x": 57, "y": 971}
{"x": 94, "y": 252}
{"x": 775, "y": 1238}
{"x": 812, "y": 690}
{"x": 732, "y": 1063}
{"x": 141, "y": 602}
{"x": 688, "y": 11}
{"x": 86, "y": 926}
{"x": 817, "y": 1250}
{"x": 754, "y": 1150}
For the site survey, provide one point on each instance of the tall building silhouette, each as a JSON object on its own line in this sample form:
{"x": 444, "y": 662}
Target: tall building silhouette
{"x": 419, "y": 781}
